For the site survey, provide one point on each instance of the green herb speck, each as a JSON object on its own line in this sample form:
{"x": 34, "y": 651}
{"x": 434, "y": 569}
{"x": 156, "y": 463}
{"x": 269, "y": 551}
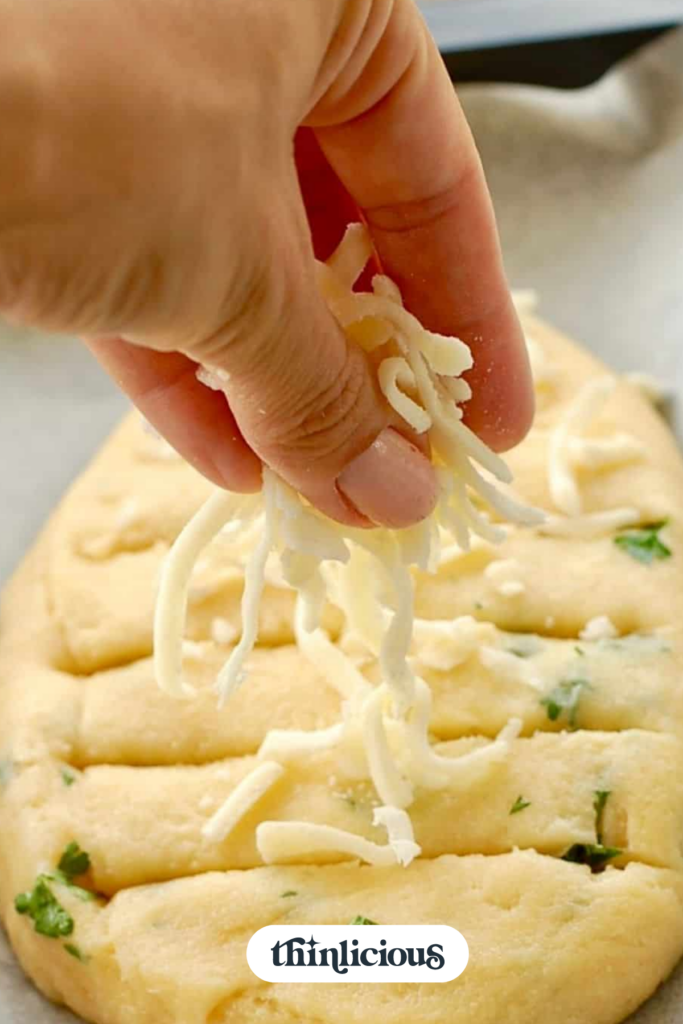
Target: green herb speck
{"x": 595, "y": 855}
{"x": 42, "y": 906}
{"x": 68, "y": 777}
{"x": 644, "y": 543}
{"x": 288, "y": 894}
{"x": 362, "y": 920}
{"x": 564, "y": 699}
{"x": 520, "y": 804}
{"x": 600, "y": 798}
{"x": 75, "y": 952}
{"x": 74, "y": 861}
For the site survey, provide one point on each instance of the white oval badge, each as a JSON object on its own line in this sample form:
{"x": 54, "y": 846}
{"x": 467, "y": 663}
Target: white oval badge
{"x": 373, "y": 953}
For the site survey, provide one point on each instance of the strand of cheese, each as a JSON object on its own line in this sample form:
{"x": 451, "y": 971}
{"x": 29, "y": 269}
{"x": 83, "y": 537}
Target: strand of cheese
{"x": 431, "y": 770}
{"x": 171, "y": 607}
{"x": 282, "y": 841}
{"x": 594, "y": 524}
{"x": 249, "y": 791}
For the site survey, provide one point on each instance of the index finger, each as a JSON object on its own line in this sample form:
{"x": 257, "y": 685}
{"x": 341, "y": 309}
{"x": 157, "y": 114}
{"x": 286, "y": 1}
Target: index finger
{"x": 399, "y": 141}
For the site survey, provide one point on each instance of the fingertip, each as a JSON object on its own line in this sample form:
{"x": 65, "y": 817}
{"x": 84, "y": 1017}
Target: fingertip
{"x": 392, "y": 482}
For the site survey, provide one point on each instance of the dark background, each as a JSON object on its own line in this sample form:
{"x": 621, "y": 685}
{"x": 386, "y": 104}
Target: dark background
{"x": 562, "y": 63}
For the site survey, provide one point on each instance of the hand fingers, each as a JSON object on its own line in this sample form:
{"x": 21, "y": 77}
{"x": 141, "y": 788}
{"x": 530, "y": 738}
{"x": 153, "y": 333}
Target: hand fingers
{"x": 308, "y": 401}
{"x": 407, "y": 158}
{"x": 197, "y": 421}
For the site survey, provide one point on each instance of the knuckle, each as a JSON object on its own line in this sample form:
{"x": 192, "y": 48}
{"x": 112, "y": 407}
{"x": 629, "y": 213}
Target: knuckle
{"x": 325, "y": 423}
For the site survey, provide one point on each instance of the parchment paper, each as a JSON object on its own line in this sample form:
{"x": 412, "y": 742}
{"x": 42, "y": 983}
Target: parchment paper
{"x": 589, "y": 192}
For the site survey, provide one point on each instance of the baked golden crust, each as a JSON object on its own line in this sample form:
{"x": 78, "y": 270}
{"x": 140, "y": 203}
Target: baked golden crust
{"x": 548, "y": 940}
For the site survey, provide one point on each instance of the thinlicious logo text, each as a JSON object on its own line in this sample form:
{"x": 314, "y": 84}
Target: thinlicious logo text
{"x": 343, "y": 953}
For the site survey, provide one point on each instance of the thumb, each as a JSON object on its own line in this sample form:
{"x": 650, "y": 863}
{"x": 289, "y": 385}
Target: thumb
{"x": 306, "y": 399}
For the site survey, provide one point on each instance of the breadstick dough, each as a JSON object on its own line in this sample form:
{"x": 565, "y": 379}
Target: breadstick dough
{"x": 91, "y": 751}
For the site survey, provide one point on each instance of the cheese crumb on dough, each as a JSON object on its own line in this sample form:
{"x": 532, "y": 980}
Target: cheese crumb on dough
{"x": 599, "y": 628}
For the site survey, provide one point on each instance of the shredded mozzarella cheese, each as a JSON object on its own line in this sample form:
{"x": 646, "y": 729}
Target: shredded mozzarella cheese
{"x": 503, "y": 575}
{"x": 431, "y": 770}
{"x": 222, "y": 631}
{"x": 419, "y": 372}
{"x": 280, "y": 841}
{"x": 595, "y": 524}
{"x": 599, "y": 628}
{"x": 249, "y": 791}
{"x": 443, "y": 644}
{"x": 292, "y": 744}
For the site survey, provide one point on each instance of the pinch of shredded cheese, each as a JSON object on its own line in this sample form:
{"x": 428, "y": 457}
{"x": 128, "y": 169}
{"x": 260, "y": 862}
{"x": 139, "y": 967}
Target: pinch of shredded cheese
{"x": 367, "y": 573}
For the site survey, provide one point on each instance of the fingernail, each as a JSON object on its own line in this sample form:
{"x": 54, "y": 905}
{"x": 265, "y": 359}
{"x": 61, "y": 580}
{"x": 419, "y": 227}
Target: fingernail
{"x": 391, "y": 483}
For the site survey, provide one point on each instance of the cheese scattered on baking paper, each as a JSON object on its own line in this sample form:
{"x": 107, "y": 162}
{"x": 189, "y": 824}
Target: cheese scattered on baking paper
{"x": 367, "y": 573}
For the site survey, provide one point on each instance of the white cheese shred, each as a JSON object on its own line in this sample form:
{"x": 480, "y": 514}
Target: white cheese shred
{"x": 594, "y": 524}
{"x": 292, "y": 744}
{"x": 281, "y": 841}
{"x": 171, "y": 606}
{"x": 248, "y": 793}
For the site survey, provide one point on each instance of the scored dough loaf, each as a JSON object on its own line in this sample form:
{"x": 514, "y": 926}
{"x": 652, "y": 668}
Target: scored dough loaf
{"x": 166, "y": 943}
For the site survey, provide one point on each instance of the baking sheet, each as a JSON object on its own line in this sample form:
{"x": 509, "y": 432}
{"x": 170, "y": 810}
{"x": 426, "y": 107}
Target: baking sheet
{"x": 589, "y": 192}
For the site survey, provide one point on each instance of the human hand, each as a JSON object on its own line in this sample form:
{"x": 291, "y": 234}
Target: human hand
{"x": 149, "y": 191}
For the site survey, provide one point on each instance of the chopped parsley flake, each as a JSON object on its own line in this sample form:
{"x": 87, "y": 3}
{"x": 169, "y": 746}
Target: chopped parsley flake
{"x": 644, "y": 544}
{"x": 49, "y": 917}
{"x": 580, "y": 652}
{"x": 600, "y": 798}
{"x": 68, "y": 777}
{"x": 595, "y": 855}
{"x": 75, "y": 952}
{"x": 42, "y": 906}
{"x": 564, "y": 699}
{"x": 520, "y": 652}
{"x": 74, "y": 861}
{"x": 362, "y": 920}
{"x": 286, "y": 895}
{"x": 520, "y": 804}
